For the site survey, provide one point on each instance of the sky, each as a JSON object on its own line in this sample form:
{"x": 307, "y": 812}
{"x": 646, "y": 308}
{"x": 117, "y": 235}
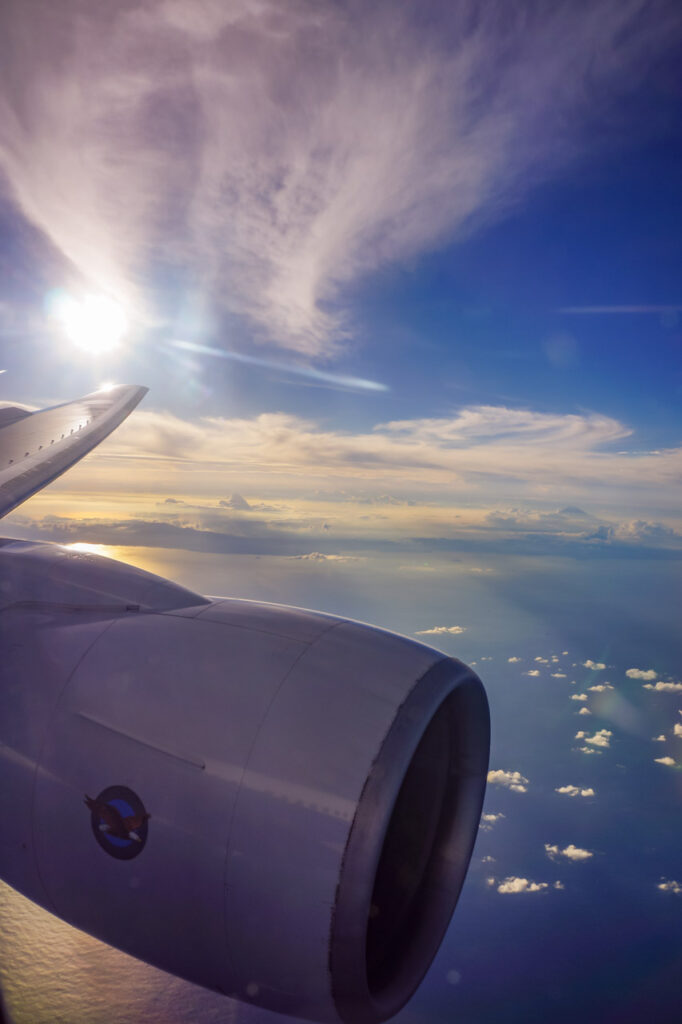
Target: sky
{"x": 404, "y": 282}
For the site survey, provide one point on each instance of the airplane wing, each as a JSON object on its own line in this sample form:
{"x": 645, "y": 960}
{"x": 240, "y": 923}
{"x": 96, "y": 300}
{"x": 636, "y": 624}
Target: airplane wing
{"x": 36, "y": 448}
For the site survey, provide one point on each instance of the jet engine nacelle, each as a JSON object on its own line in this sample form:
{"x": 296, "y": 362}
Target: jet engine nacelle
{"x": 273, "y": 803}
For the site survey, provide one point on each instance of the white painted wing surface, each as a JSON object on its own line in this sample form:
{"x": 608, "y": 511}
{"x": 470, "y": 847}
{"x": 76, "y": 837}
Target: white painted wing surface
{"x": 36, "y": 448}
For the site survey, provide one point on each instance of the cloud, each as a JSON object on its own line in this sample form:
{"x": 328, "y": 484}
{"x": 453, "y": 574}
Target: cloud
{"x": 601, "y": 738}
{"x": 641, "y": 530}
{"x": 544, "y": 661}
{"x": 487, "y": 859}
{"x": 670, "y": 886}
{"x": 278, "y": 150}
{"x": 641, "y": 673}
{"x": 513, "y": 884}
{"x": 584, "y": 711}
{"x": 596, "y": 666}
{"x": 558, "y": 675}
{"x": 591, "y": 310}
{"x": 578, "y": 696}
{"x": 600, "y": 687}
{"x": 574, "y": 791}
{"x": 570, "y": 852}
{"x": 439, "y": 630}
{"x": 669, "y": 762}
{"x": 589, "y": 750}
{"x": 511, "y": 780}
{"x": 492, "y": 818}
{"x": 235, "y": 502}
{"x": 319, "y": 556}
{"x": 533, "y": 672}
{"x": 664, "y": 687}
{"x": 476, "y": 451}
{"x": 677, "y": 729}
{"x": 659, "y": 739}
{"x": 513, "y": 660}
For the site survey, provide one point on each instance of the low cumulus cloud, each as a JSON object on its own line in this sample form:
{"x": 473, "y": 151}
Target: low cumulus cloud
{"x": 669, "y": 762}
{"x": 596, "y": 666}
{"x": 533, "y": 672}
{"x": 574, "y": 791}
{"x": 601, "y": 738}
{"x": 584, "y": 711}
{"x": 662, "y": 687}
{"x": 600, "y": 687}
{"x": 513, "y": 884}
{"x": 278, "y": 150}
{"x": 677, "y": 729}
{"x": 513, "y": 660}
{"x": 578, "y": 696}
{"x": 669, "y": 885}
{"x": 510, "y": 780}
{"x": 569, "y": 852}
{"x": 440, "y": 630}
{"x": 488, "y": 820}
{"x": 641, "y": 673}
{"x": 558, "y": 675}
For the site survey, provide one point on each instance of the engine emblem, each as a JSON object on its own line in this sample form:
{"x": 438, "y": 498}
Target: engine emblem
{"x": 119, "y": 821}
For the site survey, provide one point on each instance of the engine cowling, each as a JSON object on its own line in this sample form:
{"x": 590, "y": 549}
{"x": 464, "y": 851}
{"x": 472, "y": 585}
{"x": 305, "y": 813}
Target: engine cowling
{"x": 274, "y": 803}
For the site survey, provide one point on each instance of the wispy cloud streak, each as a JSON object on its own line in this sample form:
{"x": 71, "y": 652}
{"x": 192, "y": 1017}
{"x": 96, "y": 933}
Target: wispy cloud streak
{"x": 587, "y": 310}
{"x": 322, "y": 377}
{"x": 276, "y": 150}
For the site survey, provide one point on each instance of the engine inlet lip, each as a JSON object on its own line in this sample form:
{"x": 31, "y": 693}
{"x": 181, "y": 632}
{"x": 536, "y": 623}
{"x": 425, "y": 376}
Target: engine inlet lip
{"x": 448, "y": 687}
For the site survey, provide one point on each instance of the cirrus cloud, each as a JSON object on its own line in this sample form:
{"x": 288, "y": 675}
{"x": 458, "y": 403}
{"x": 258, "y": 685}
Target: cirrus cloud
{"x": 280, "y": 149}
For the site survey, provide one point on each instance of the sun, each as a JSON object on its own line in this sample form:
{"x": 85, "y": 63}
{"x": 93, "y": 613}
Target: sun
{"x": 94, "y": 323}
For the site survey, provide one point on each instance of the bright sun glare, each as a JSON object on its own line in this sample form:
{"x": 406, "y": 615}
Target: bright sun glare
{"x": 94, "y": 323}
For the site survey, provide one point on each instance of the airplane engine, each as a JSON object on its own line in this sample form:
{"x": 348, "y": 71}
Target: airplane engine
{"x": 276, "y": 804}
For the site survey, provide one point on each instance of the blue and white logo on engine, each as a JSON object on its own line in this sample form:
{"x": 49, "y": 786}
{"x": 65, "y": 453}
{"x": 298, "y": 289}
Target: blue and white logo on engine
{"x": 119, "y": 821}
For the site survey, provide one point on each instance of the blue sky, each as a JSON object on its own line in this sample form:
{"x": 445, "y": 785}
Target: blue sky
{"x": 475, "y": 215}
{"x": 473, "y": 211}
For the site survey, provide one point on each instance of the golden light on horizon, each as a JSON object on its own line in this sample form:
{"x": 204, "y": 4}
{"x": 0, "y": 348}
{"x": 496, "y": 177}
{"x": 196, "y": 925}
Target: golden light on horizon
{"x": 91, "y": 549}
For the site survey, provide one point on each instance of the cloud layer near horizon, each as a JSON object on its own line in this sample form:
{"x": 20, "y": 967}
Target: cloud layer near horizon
{"x": 487, "y": 452}
{"x": 277, "y": 151}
